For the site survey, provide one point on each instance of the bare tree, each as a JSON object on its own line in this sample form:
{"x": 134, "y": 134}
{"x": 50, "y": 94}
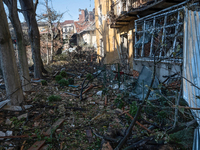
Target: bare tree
{"x": 28, "y": 10}
{"x": 8, "y": 61}
{"x": 51, "y": 17}
{"x": 23, "y": 63}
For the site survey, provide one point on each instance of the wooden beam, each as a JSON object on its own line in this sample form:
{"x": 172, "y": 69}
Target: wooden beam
{"x": 116, "y": 26}
{"x": 123, "y": 21}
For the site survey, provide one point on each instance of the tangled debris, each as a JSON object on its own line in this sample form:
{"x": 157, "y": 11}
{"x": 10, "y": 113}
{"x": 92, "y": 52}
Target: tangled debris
{"x": 97, "y": 109}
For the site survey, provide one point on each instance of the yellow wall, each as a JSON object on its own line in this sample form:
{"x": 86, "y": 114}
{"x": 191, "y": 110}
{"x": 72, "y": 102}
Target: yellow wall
{"x": 110, "y": 36}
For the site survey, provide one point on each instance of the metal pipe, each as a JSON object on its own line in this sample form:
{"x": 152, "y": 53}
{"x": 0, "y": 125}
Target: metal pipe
{"x": 144, "y": 26}
{"x": 135, "y": 39}
{"x": 152, "y": 37}
{"x": 168, "y": 26}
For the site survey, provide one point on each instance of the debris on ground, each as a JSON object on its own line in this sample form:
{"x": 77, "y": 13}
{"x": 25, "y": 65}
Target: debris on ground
{"x": 93, "y": 108}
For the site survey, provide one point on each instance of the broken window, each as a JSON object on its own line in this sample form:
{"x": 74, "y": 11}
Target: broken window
{"x": 160, "y": 35}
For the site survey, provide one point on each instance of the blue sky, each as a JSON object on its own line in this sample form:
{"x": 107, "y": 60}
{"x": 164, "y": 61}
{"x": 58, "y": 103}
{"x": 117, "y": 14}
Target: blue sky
{"x": 71, "y": 6}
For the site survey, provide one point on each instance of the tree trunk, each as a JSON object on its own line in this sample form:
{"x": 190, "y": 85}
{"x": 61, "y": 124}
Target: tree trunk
{"x": 50, "y": 28}
{"x": 47, "y": 46}
{"x": 28, "y": 11}
{"x": 23, "y": 63}
{"x": 52, "y": 50}
{"x": 8, "y": 61}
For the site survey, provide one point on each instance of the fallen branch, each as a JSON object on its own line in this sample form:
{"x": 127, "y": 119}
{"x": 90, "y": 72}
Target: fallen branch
{"x": 90, "y": 87}
{"x": 181, "y": 126}
{"x": 119, "y": 146}
{"x": 140, "y": 143}
{"x": 138, "y": 122}
{"x": 105, "y": 137}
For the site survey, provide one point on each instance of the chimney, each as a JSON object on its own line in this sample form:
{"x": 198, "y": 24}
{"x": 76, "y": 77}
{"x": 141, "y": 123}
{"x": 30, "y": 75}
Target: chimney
{"x": 82, "y": 15}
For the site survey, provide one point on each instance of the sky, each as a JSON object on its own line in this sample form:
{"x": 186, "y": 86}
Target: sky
{"x": 71, "y": 7}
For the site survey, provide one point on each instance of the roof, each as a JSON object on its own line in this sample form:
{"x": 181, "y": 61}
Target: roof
{"x": 66, "y": 22}
{"x": 84, "y": 26}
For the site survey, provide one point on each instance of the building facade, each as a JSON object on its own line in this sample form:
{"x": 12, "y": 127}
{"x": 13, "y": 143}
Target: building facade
{"x": 119, "y": 38}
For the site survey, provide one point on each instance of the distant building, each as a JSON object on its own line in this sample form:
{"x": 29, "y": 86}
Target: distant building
{"x": 68, "y": 29}
{"x": 85, "y": 28}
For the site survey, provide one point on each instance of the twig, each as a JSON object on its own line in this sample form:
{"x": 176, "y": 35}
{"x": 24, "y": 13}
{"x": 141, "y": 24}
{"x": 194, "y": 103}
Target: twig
{"x": 23, "y": 145}
{"x": 105, "y": 137}
{"x": 90, "y": 87}
{"x": 83, "y": 87}
{"x": 36, "y": 3}
{"x": 138, "y": 122}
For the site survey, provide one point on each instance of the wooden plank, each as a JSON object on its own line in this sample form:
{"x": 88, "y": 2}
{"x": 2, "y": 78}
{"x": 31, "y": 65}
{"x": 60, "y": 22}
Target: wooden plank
{"x": 45, "y": 147}
{"x": 185, "y": 107}
{"x": 89, "y": 136}
{"x": 54, "y": 126}
{"x": 37, "y": 145}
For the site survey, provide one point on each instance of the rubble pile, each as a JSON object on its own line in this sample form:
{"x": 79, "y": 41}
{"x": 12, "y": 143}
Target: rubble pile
{"x": 84, "y": 105}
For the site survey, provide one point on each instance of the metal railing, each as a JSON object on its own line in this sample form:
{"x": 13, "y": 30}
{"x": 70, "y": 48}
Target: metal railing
{"x": 160, "y": 35}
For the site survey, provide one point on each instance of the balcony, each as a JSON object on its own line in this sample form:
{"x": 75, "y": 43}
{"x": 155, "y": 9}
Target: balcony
{"x": 124, "y": 11}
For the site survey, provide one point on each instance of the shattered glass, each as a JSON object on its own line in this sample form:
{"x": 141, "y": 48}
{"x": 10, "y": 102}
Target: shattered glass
{"x": 143, "y": 84}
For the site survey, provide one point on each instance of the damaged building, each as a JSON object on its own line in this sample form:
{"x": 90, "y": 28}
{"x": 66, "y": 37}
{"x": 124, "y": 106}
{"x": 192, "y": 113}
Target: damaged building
{"x": 142, "y": 33}
{"x": 85, "y": 33}
{"x": 130, "y": 37}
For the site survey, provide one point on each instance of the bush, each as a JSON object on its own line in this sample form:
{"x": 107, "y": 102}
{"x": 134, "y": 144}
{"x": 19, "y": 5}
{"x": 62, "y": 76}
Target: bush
{"x": 44, "y": 82}
{"x": 63, "y": 82}
{"x": 53, "y": 98}
{"x": 63, "y": 73}
{"x": 58, "y": 78}
{"x": 89, "y": 77}
{"x": 71, "y": 81}
{"x": 133, "y": 108}
{"x": 119, "y": 102}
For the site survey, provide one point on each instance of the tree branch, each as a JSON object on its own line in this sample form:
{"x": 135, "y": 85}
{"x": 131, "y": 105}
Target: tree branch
{"x": 36, "y": 4}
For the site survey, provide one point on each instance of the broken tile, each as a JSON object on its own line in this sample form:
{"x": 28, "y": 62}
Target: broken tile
{"x": 37, "y": 145}
{"x": 28, "y": 106}
{"x": 12, "y": 108}
{"x": 2, "y": 134}
{"x": 3, "y": 103}
{"x": 89, "y": 136}
{"x": 106, "y": 146}
{"x": 54, "y": 126}
{"x": 8, "y": 122}
{"x": 61, "y": 109}
{"x": 9, "y": 133}
{"x": 22, "y": 116}
{"x": 45, "y": 147}
{"x": 51, "y": 111}
{"x": 36, "y": 124}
